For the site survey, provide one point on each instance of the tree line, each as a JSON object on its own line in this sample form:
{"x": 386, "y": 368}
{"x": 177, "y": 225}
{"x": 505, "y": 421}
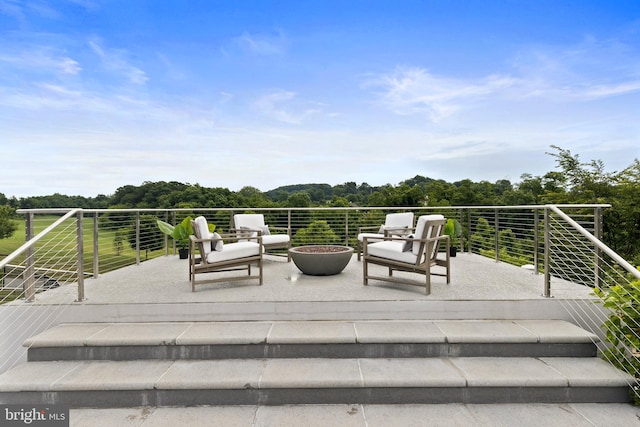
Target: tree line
{"x": 573, "y": 181}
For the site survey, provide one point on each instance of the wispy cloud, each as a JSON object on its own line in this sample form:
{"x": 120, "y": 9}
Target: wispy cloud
{"x": 414, "y": 90}
{"x": 42, "y": 59}
{"x": 587, "y": 71}
{"x": 12, "y": 9}
{"x": 262, "y": 44}
{"x": 285, "y": 106}
{"x": 116, "y": 60}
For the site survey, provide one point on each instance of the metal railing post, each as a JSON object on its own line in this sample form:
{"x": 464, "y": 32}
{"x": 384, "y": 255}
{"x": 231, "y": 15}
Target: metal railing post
{"x": 166, "y": 237}
{"x": 137, "y": 237}
{"x": 547, "y": 253}
{"x": 461, "y": 221}
{"x": 597, "y": 262}
{"x": 28, "y": 276}
{"x": 496, "y": 228}
{"x": 96, "y": 261}
{"x": 536, "y": 239}
{"x": 80, "y": 256}
{"x": 346, "y": 228}
{"x": 469, "y": 230}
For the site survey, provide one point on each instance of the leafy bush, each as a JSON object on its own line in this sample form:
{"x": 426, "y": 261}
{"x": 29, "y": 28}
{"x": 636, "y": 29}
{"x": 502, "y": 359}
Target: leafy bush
{"x": 623, "y": 329}
{"x": 317, "y": 233}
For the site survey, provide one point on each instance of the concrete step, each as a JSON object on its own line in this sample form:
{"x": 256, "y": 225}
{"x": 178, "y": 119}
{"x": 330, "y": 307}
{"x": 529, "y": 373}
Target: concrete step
{"x": 111, "y": 384}
{"x": 113, "y": 365}
{"x": 311, "y": 339}
{"x": 354, "y": 415}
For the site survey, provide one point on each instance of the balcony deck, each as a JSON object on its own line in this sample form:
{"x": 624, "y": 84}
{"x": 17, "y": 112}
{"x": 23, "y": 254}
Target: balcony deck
{"x": 159, "y": 290}
{"x": 165, "y": 280}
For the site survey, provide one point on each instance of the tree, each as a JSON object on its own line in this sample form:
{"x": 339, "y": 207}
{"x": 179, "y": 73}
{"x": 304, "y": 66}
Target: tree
{"x": 317, "y": 233}
{"x": 7, "y": 225}
{"x": 299, "y": 200}
{"x": 581, "y": 182}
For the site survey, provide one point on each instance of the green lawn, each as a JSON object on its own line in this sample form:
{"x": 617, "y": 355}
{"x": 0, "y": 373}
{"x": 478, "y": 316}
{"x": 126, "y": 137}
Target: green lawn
{"x": 58, "y": 248}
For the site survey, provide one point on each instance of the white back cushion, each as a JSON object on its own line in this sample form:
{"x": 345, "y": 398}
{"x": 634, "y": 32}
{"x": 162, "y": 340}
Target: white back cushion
{"x": 421, "y": 232}
{"x": 404, "y": 219}
{"x": 253, "y": 221}
{"x": 201, "y": 230}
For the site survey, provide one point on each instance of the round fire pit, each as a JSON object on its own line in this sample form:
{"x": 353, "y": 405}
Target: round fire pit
{"x": 321, "y": 260}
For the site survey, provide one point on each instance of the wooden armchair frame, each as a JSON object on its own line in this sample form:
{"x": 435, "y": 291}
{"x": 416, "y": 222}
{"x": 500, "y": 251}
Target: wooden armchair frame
{"x": 253, "y": 222}
{"x": 208, "y": 264}
{"x": 424, "y": 252}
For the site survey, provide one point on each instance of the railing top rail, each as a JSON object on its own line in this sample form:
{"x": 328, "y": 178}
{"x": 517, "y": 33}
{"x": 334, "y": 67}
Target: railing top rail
{"x": 350, "y": 208}
{"x": 35, "y": 239}
{"x": 604, "y": 248}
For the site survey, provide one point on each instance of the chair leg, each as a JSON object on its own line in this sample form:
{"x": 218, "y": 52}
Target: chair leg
{"x": 428, "y": 281}
{"x": 365, "y": 272}
{"x": 260, "y": 271}
{"x": 359, "y": 250}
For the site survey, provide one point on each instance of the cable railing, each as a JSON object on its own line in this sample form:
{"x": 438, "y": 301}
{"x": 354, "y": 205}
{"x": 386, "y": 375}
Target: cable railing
{"x": 575, "y": 254}
{"x": 64, "y": 247}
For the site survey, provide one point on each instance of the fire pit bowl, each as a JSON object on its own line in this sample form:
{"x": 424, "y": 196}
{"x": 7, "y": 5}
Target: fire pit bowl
{"x": 321, "y": 260}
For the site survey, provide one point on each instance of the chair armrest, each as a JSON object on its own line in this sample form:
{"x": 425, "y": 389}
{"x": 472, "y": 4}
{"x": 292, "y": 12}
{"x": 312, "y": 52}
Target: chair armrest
{"x": 398, "y": 231}
{"x": 240, "y": 233}
{"x": 228, "y": 237}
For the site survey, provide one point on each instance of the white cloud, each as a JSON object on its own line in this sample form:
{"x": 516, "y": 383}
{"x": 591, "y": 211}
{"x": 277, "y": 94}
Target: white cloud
{"x": 42, "y": 59}
{"x": 12, "y": 9}
{"x": 262, "y": 44}
{"x": 414, "y": 90}
{"x": 587, "y": 71}
{"x": 285, "y": 106}
{"x": 116, "y": 60}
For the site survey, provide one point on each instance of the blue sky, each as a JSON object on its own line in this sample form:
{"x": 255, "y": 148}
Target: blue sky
{"x": 97, "y": 94}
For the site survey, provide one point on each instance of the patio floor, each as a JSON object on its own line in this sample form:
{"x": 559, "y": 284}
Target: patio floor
{"x": 165, "y": 280}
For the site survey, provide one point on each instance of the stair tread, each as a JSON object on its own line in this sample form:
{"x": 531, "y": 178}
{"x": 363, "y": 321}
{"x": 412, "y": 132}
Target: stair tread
{"x": 310, "y": 332}
{"x": 312, "y": 373}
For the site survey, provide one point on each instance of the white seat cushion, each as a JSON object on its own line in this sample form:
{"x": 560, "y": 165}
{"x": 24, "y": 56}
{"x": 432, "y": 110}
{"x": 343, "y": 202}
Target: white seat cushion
{"x": 233, "y": 251}
{"x": 392, "y": 249}
{"x": 275, "y": 238}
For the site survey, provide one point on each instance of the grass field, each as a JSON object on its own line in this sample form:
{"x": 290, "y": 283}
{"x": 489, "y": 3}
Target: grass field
{"x": 57, "y": 250}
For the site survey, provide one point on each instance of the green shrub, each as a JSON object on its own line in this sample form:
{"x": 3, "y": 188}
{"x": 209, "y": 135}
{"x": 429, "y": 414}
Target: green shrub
{"x": 623, "y": 329}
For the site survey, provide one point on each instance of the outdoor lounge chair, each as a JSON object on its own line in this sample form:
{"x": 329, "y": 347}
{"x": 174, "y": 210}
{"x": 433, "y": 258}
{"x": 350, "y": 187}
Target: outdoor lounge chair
{"x": 415, "y": 254}
{"x": 218, "y": 255}
{"x": 253, "y": 224}
{"x": 394, "y": 224}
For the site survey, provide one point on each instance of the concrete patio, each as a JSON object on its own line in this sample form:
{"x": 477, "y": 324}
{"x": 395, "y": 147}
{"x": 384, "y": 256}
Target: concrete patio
{"x": 159, "y": 291}
{"x": 164, "y": 280}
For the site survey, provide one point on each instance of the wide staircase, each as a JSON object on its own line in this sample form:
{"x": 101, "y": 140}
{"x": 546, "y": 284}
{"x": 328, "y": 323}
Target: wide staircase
{"x": 110, "y": 365}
